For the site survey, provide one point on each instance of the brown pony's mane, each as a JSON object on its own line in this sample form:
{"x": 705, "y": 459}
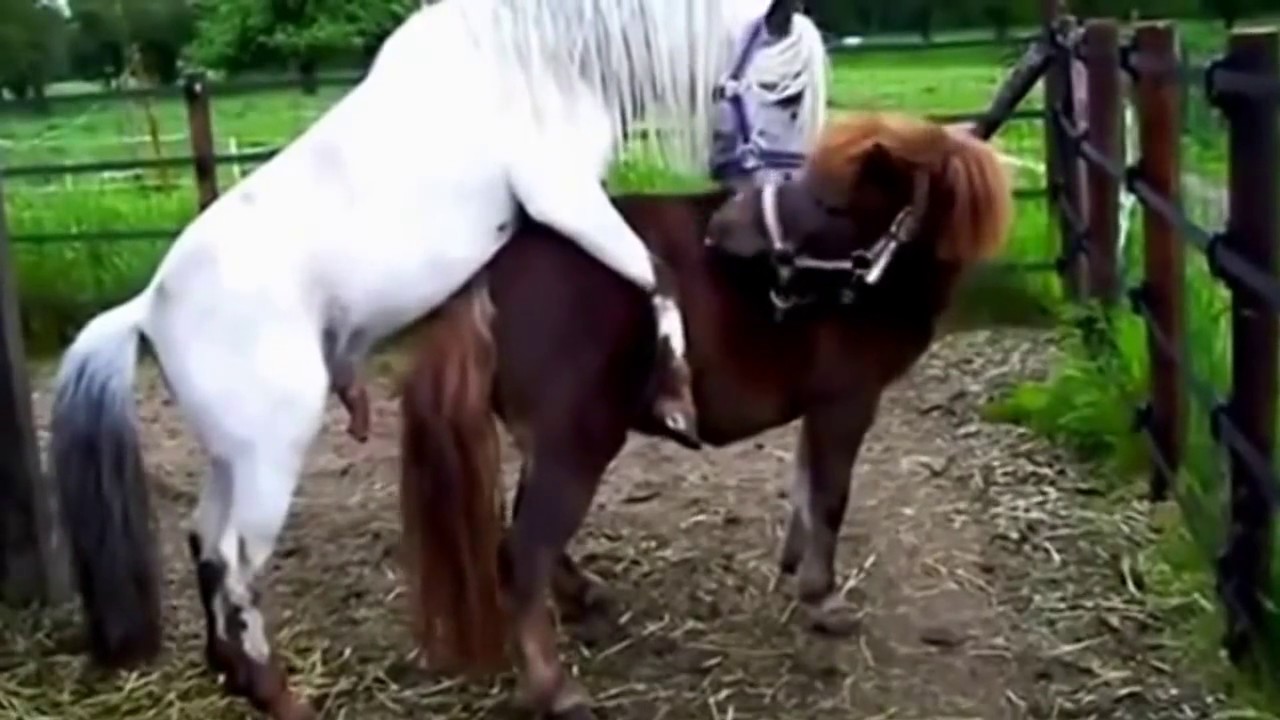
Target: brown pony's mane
{"x": 971, "y": 199}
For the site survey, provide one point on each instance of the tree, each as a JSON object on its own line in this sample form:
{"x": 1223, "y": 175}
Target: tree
{"x": 241, "y": 34}
{"x": 159, "y": 29}
{"x": 1232, "y": 11}
{"x": 33, "y": 46}
{"x": 109, "y": 32}
{"x": 99, "y": 39}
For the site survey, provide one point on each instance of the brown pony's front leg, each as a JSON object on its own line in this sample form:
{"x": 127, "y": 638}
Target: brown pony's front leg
{"x": 830, "y": 439}
{"x": 553, "y": 501}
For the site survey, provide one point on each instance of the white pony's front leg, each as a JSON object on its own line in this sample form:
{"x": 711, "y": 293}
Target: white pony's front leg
{"x": 569, "y": 199}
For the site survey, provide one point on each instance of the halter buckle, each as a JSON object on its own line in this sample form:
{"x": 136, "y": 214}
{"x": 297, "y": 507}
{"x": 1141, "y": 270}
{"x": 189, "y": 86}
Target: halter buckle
{"x": 869, "y": 265}
{"x": 727, "y": 88}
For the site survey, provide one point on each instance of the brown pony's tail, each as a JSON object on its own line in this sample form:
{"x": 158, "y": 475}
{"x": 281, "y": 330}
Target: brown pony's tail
{"x": 451, "y": 492}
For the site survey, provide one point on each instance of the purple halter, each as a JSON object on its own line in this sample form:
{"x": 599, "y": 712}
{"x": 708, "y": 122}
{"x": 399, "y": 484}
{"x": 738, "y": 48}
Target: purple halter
{"x": 747, "y": 155}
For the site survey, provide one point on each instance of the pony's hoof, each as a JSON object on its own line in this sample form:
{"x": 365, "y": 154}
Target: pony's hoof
{"x": 359, "y": 434}
{"x": 833, "y": 617}
{"x": 593, "y": 599}
{"x": 679, "y": 426}
{"x": 577, "y": 712}
{"x": 291, "y": 707}
{"x": 567, "y": 701}
{"x": 789, "y": 559}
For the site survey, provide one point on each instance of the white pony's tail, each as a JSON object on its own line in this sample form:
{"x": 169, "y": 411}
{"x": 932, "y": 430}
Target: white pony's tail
{"x": 95, "y": 456}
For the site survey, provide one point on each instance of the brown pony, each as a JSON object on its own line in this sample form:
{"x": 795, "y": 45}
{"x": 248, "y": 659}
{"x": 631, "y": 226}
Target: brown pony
{"x": 802, "y": 301}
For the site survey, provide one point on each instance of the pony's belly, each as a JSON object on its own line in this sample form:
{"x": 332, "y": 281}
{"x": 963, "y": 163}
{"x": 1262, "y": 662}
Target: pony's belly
{"x": 417, "y": 267}
{"x": 730, "y": 410}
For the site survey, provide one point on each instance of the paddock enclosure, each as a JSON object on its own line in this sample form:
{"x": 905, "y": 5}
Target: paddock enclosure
{"x": 1000, "y": 577}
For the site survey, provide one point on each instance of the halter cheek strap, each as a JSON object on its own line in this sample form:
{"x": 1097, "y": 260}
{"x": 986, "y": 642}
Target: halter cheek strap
{"x": 769, "y": 211}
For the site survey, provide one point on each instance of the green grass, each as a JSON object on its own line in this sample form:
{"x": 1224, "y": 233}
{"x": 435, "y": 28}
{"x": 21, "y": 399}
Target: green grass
{"x": 1088, "y": 403}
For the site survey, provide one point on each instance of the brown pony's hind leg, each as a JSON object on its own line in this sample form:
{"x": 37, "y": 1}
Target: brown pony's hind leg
{"x": 553, "y": 501}
{"x": 580, "y": 596}
{"x": 830, "y": 439}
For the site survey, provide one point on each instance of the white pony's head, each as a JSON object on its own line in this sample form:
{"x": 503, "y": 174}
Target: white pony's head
{"x": 737, "y": 85}
{"x": 771, "y": 104}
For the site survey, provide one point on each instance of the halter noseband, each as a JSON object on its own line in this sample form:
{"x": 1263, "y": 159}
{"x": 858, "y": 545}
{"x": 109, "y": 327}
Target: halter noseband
{"x": 864, "y": 267}
{"x": 749, "y": 153}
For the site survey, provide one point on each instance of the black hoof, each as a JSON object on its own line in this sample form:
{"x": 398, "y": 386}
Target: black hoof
{"x": 577, "y": 712}
{"x": 681, "y": 429}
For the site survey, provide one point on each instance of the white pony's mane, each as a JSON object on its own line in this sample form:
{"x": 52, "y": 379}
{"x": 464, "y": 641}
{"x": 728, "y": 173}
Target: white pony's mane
{"x": 650, "y": 62}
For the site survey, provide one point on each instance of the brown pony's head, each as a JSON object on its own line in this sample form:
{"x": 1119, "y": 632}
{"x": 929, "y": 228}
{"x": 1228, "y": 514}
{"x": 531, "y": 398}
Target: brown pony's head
{"x": 875, "y": 181}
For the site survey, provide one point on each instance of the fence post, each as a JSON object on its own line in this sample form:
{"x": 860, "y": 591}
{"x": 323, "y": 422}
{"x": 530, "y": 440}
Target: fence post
{"x": 1102, "y": 62}
{"x": 1159, "y": 113}
{"x": 200, "y": 130}
{"x": 31, "y": 567}
{"x": 1062, "y": 169}
{"x": 1252, "y": 229}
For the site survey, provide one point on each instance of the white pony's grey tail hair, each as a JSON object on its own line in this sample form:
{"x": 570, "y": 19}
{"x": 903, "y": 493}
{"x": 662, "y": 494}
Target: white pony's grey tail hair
{"x": 96, "y": 459}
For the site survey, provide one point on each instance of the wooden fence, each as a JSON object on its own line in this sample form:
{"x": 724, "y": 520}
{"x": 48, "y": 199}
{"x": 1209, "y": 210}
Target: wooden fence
{"x": 1088, "y": 172}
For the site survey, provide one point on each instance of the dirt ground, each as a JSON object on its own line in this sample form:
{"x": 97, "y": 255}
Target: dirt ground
{"x": 991, "y": 585}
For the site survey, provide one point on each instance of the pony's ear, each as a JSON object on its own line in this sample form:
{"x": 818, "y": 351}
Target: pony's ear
{"x": 777, "y": 20}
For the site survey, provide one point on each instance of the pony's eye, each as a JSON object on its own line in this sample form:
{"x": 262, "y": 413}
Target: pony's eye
{"x": 791, "y": 101}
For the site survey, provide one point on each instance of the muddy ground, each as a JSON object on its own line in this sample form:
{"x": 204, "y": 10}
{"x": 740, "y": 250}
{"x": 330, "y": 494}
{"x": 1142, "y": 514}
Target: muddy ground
{"x": 991, "y": 583}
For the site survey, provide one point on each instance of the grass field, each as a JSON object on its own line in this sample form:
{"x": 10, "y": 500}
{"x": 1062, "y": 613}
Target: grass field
{"x": 1087, "y": 403}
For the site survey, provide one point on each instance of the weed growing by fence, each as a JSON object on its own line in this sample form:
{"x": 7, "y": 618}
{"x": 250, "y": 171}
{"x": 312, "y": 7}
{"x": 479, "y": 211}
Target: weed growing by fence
{"x": 1089, "y": 403}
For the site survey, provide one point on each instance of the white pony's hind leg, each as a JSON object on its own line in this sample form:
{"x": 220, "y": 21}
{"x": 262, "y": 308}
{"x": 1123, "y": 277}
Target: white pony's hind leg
{"x": 207, "y": 523}
{"x": 258, "y": 445}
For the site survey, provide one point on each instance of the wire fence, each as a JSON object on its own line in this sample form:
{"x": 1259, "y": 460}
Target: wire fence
{"x": 1083, "y": 113}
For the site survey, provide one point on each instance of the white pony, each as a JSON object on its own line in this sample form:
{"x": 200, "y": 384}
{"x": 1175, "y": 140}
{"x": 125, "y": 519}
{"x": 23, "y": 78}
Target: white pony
{"x": 389, "y": 203}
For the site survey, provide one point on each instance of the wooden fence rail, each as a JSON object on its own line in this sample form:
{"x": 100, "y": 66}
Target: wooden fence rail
{"x": 1252, "y": 232}
{"x": 1245, "y": 85}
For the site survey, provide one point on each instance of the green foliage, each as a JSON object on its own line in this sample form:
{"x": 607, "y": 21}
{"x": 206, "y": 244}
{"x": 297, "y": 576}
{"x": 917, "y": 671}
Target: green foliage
{"x": 111, "y": 35}
{"x": 242, "y": 34}
{"x": 99, "y": 39}
{"x": 33, "y": 46}
{"x": 1232, "y": 11}
{"x": 924, "y": 16}
{"x": 1088, "y": 403}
